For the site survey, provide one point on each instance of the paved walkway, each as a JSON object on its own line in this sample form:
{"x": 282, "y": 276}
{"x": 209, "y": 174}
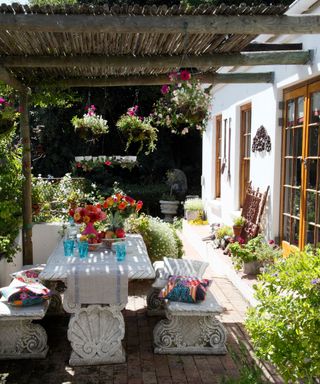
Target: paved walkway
{"x": 142, "y": 366}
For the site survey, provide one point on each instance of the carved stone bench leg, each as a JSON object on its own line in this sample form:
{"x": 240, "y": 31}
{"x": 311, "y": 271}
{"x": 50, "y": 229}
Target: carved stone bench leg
{"x": 155, "y": 306}
{"x": 21, "y": 339}
{"x": 189, "y": 335}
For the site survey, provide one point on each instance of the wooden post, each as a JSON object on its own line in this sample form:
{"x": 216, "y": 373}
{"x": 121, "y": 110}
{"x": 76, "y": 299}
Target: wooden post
{"x": 27, "y": 189}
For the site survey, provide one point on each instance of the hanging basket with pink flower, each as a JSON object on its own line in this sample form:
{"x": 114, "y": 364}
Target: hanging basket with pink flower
{"x": 8, "y": 116}
{"x": 184, "y": 105}
{"x": 137, "y": 129}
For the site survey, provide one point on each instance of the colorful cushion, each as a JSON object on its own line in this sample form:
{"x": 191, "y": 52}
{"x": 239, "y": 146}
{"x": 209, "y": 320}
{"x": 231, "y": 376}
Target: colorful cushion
{"x": 186, "y": 289}
{"x": 28, "y": 276}
{"x": 20, "y": 294}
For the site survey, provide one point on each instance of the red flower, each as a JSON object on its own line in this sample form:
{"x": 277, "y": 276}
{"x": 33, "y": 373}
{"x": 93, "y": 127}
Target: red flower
{"x": 120, "y": 233}
{"x": 71, "y": 212}
{"x": 139, "y": 205}
{"x": 79, "y": 165}
{"x": 108, "y": 162}
{"x": 185, "y": 75}
{"x": 241, "y": 240}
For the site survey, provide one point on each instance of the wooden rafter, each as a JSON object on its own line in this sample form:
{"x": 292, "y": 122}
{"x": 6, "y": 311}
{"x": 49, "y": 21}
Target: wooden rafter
{"x": 219, "y": 24}
{"x": 147, "y": 62}
{"x": 265, "y": 77}
{"x": 9, "y": 79}
{"x": 266, "y": 47}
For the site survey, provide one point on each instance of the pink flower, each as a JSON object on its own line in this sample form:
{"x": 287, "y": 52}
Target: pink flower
{"x": 79, "y": 165}
{"x": 132, "y": 111}
{"x": 185, "y": 75}
{"x": 173, "y": 76}
{"x": 23, "y": 296}
{"x": 271, "y": 242}
{"x": 241, "y": 240}
{"x": 2, "y": 100}
{"x": 108, "y": 163}
{"x": 92, "y": 107}
{"x": 165, "y": 89}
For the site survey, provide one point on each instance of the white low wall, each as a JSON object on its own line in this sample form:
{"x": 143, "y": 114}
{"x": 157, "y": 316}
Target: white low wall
{"x": 45, "y": 237}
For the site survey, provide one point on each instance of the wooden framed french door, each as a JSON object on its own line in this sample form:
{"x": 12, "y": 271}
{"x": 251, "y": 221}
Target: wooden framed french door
{"x": 218, "y": 156}
{"x": 300, "y": 205}
{"x": 245, "y": 150}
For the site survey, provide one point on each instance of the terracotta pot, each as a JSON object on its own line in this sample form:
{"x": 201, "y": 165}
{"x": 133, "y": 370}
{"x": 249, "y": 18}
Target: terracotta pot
{"x": 237, "y": 230}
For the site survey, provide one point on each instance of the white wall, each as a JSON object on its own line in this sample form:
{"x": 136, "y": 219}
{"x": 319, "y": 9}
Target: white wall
{"x": 265, "y": 168}
{"x": 45, "y": 238}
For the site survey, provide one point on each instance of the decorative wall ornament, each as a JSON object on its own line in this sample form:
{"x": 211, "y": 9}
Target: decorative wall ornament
{"x": 261, "y": 141}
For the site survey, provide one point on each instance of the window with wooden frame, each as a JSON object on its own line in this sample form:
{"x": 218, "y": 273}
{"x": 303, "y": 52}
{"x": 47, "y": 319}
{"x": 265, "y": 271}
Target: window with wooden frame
{"x": 300, "y": 202}
{"x": 245, "y": 150}
{"x": 218, "y": 156}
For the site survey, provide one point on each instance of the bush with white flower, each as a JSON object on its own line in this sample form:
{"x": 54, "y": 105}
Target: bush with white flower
{"x": 184, "y": 105}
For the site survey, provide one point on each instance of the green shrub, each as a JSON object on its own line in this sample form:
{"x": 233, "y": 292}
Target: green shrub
{"x": 239, "y": 221}
{"x": 160, "y": 237}
{"x": 284, "y": 326}
{"x": 193, "y": 205}
{"x": 223, "y": 231}
{"x": 10, "y": 195}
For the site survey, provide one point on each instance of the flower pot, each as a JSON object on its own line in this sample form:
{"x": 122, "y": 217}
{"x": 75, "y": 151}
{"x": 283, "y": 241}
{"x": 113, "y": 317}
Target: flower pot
{"x": 169, "y": 208}
{"x": 237, "y": 230}
{"x": 252, "y": 268}
{"x": 193, "y": 215}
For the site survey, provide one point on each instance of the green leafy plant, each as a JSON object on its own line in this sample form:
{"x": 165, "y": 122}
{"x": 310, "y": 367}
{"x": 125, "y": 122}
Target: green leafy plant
{"x": 10, "y": 195}
{"x": 224, "y": 230}
{"x": 239, "y": 221}
{"x": 184, "y": 105}
{"x": 137, "y": 129}
{"x": 160, "y": 237}
{"x": 256, "y": 249}
{"x": 193, "y": 205}
{"x": 284, "y": 326}
{"x": 90, "y": 125}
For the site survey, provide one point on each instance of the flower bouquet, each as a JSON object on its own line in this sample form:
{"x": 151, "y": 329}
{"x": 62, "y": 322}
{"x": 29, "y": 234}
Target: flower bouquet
{"x": 88, "y": 215}
{"x": 90, "y": 125}
{"x": 137, "y": 129}
{"x": 8, "y": 116}
{"x": 184, "y": 105}
{"x": 118, "y": 207}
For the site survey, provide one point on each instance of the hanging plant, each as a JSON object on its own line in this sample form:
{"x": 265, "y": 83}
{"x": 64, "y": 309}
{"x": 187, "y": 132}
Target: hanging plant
{"x": 90, "y": 126}
{"x": 8, "y": 116}
{"x": 137, "y": 129}
{"x": 184, "y": 105}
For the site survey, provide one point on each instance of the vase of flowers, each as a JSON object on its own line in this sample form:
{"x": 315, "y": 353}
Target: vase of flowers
{"x": 91, "y": 125}
{"x": 117, "y": 208}
{"x": 138, "y": 129}
{"x": 88, "y": 215}
{"x": 8, "y": 116}
{"x": 184, "y": 105}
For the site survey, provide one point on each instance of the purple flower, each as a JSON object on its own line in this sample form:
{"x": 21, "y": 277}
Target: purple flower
{"x": 165, "y": 89}
{"x": 315, "y": 281}
{"x": 2, "y": 100}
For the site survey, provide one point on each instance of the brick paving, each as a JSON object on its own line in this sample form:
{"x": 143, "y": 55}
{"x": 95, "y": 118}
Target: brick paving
{"x": 142, "y": 366}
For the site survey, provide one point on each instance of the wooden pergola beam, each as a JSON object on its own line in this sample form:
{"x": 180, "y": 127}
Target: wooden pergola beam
{"x": 236, "y": 78}
{"x": 150, "y": 62}
{"x": 9, "y": 79}
{"x": 266, "y": 47}
{"x": 221, "y": 24}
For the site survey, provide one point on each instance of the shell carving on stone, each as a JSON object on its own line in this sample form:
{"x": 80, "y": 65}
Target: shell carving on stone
{"x": 96, "y": 331}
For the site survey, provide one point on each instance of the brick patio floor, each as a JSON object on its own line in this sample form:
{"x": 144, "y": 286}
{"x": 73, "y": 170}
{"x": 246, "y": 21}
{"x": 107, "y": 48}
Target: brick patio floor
{"x": 142, "y": 366}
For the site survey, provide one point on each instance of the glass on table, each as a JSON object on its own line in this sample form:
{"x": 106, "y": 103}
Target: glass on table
{"x": 121, "y": 250}
{"x": 83, "y": 249}
{"x": 68, "y": 246}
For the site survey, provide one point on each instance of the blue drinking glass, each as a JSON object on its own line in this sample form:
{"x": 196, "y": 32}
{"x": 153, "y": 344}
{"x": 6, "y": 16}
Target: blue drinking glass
{"x": 120, "y": 250}
{"x": 83, "y": 249}
{"x": 68, "y": 246}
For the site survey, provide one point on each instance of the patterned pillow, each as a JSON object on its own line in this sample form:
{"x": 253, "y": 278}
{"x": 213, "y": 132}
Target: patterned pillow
{"x": 28, "y": 275}
{"x": 21, "y": 294}
{"x": 186, "y": 289}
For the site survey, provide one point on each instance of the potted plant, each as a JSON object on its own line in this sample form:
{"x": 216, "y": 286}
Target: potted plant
{"x": 184, "y": 105}
{"x": 137, "y": 129}
{"x": 90, "y": 126}
{"x": 238, "y": 223}
{"x": 193, "y": 209}
{"x": 252, "y": 255}
{"x": 169, "y": 203}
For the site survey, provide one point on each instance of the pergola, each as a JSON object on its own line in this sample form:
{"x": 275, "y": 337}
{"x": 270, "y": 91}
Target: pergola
{"x": 97, "y": 46}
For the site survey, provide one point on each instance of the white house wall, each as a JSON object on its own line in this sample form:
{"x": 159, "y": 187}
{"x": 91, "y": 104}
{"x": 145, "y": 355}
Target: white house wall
{"x": 265, "y": 168}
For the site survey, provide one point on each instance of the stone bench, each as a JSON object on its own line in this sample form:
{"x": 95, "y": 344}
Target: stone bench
{"x": 19, "y": 337}
{"x": 163, "y": 270}
{"x": 191, "y": 329}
